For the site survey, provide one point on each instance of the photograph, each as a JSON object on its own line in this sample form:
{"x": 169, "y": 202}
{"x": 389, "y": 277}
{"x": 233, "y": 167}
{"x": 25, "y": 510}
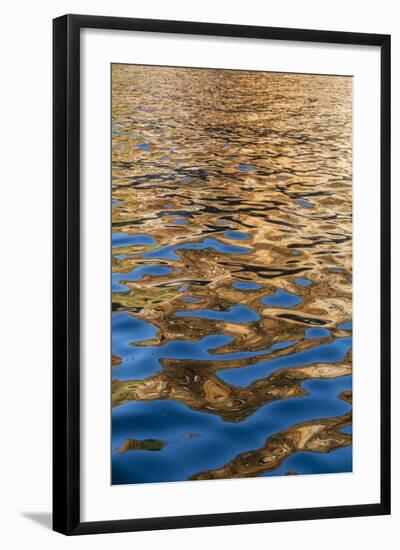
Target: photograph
{"x": 231, "y": 265}
{"x": 200, "y": 315}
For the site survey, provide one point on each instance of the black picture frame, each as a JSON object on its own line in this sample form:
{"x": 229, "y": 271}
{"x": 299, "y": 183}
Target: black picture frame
{"x": 66, "y": 272}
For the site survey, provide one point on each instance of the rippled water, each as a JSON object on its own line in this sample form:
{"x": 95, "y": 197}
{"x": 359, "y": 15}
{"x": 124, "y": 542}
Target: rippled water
{"x": 231, "y": 260}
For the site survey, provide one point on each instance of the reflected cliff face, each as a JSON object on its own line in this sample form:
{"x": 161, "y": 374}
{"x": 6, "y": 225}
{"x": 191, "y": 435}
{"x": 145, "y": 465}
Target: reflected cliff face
{"x": 231, "y": 274}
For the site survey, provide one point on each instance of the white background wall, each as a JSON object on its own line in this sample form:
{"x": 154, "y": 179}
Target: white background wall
{"x": 26, "y": 104}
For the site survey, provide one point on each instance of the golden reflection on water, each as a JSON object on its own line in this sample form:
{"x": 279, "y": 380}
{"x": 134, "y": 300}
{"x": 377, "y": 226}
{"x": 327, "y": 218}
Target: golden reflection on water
{"x": 256, "y": 169}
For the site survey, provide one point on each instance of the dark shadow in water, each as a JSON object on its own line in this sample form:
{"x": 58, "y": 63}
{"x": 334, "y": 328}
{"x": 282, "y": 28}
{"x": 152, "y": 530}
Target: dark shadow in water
{"x": 45, "y": 519}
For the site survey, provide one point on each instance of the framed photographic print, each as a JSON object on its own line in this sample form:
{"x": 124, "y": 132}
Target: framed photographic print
{"x": 221, "y": 229}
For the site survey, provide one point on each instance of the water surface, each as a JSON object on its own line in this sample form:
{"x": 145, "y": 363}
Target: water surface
{"x": 231, "y": 283}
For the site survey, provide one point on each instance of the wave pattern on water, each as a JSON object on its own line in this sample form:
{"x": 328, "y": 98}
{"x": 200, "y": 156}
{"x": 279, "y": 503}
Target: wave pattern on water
{"x": 231, "y": 260}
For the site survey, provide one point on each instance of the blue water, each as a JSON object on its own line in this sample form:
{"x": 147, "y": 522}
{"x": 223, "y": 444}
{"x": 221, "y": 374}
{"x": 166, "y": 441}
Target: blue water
{"x": 197, "y": 441}
{"x": 234, "y": 314}
{"x": 123, "y": 239}
{"x": 119, "y": 132}
{"x": 136, "y": 274}
{"x": 137, "y": 360}
{"x": 311, "y": 333}
{"x": 144, "y": 146}
{"x": 347, "y": 430}
{"x": 302, "y": 282}
{"x": 302, "y": 202}
{"x": 282, "y": 298}
{"x": 324, "y": 353}
{"x": 236, "y": 235}
{"x": 168, "y": 252}
{"x": 305, "y": 462}
{"x": 217, "y": 441}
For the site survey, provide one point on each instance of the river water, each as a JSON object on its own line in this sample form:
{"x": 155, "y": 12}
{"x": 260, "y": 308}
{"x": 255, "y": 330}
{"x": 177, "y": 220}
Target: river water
{"x": 231, "y": 274}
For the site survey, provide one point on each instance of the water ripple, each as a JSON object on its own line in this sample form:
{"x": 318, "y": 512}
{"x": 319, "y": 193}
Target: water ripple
{"x": 231, "y": 274}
